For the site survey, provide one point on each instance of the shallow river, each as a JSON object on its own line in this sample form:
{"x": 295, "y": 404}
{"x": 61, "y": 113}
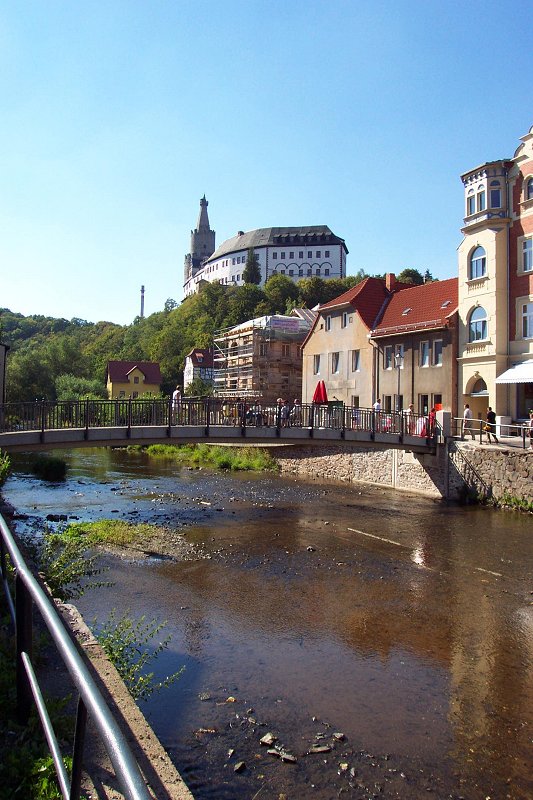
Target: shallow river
{"x": 395, "y": 632}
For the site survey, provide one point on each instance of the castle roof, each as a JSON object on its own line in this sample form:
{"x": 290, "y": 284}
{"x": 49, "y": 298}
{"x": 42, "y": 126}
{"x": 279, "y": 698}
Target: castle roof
{"x": 306, "y": 236}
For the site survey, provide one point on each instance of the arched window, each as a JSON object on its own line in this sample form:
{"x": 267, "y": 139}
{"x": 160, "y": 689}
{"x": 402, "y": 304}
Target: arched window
{"x": 477, "y": 325}
{"x": 529, "y": 189}
{"x": 481, "y": 198}
{"x": 495, "y": 194}
{"x": 478, "y": 264}
{"x": 479, "y": 388}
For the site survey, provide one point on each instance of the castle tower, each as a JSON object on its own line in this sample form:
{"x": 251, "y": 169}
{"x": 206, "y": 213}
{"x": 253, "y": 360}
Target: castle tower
{"x": 202, "y": 242}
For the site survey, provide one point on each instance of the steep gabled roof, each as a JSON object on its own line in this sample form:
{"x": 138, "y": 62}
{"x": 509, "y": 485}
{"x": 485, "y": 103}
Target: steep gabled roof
{"x": 201, "y": 357}
{"x": 366, "y": 298}
{"x": 419, "y": 308}
{"x": 118, "y": 371}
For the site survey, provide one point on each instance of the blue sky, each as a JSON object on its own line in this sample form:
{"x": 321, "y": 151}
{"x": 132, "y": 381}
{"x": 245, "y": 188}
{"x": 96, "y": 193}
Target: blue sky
{"x": 118, "y": 116}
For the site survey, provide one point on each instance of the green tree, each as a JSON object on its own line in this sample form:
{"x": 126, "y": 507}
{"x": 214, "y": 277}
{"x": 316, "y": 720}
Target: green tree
{"x": 70, "y": 387}
{"x": 252, "y": 270}
{"x": 199, "y": 388}
{"x": 280, "y": 290}
{"x": 410, "y": 275}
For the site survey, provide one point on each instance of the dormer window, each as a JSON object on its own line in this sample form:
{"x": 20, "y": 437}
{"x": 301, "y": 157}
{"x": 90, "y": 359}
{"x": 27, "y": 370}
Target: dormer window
{"x": 495, "y": 195}
{"x": 446, "y": 304}
{"x": 406, "y": 311}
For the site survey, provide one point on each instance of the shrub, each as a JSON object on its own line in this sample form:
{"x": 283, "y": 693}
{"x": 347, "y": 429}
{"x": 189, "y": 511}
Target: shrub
{"x": 50, "y": 468}
{"x": 5, "y": 467}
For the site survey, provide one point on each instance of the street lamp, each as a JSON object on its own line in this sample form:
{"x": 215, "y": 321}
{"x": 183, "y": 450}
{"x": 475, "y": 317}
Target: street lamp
{"x": 398, "y": 362}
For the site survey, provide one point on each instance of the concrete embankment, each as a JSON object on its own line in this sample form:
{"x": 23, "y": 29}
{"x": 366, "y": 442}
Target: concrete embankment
{"x": 498, "y": 469}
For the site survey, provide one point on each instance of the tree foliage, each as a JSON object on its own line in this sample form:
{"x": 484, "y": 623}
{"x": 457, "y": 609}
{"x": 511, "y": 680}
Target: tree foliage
{"x": 252, "y": 270}
{"x": 60, "y": 359}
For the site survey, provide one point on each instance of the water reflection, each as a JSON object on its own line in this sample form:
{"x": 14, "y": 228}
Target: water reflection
{"x": 404, "y": 623}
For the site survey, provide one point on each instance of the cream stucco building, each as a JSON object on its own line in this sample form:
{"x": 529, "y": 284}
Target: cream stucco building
{"x": 495, "y": 365}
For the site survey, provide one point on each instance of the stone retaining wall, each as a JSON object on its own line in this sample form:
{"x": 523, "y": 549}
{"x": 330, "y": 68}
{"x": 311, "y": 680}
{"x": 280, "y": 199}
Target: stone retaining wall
{"x": 499, "y": 470}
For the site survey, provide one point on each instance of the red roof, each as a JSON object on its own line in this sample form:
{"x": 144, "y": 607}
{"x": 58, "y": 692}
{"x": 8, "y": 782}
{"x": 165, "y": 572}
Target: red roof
{"x": 201, "y": 357}
{"x": 419, "y": 308}
{"x": 367, "y": 298}
{"x": 118, "y": 371}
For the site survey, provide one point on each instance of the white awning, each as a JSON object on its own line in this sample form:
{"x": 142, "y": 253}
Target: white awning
{"x": 520, "y": 373}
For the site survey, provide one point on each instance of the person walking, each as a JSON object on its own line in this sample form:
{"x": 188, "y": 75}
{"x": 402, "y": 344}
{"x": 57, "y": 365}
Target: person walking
{"x": 490, "y": 427}
{"x": 467, "y": 421}
{"x": 176, "y": 400}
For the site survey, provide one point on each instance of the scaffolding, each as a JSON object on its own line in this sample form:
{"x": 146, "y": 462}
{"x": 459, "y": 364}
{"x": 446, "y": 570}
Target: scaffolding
{"x": 255, "y": 360}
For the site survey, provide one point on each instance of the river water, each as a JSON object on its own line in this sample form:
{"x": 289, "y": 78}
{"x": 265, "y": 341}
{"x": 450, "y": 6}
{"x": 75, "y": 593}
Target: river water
{"x": 395, "y": 632}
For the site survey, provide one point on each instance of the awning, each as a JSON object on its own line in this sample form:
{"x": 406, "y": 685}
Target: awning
{"x": 520, "y": 373}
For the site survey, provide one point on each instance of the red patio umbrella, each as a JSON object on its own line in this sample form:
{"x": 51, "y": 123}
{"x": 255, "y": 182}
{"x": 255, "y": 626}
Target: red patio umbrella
{"x": 320, "y": 395}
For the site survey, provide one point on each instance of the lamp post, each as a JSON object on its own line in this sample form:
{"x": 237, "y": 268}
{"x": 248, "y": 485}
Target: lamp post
{"x": 398, "y": 362}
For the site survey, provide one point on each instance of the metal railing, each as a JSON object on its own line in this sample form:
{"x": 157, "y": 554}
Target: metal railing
{"x": 46, "y": 415}
{"x": 516, "y": 435}
{"x": 28, "y": 593}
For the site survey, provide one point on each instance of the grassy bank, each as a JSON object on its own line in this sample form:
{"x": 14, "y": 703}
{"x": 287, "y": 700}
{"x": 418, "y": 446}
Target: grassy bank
{"x": 216, "y": 456}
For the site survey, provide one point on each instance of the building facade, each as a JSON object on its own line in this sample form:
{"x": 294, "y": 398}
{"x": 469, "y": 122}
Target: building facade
{"x": 132, "y": 379}
{"x": 302, "y": 252}
{"x": 260, "y": 359}
{"x": 415, "y": 349}
{"x": 495, "y": 365}
{"x": 198, "y": 364}
{"x": 338, "y": 348}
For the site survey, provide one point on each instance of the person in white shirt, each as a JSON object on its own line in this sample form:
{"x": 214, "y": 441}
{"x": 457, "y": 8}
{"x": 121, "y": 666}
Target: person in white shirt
{"x": 467, "y": 421}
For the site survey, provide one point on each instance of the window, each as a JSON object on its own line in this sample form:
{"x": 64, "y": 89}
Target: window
{"x": 122, "y": 394}
{"x": 437, "y": 402}
{"x": 344, "y": 319}
{"x": 318, "y": 270}
{"x": 399, "y": 356}
{"x": 527, "y": 255}
{"x": 387, "y": 402}
{"x": 527, "y": 320}
{"x": 335, "y": 363}
{"x": 135, "y": 395}
{"x": 300, "y": 273}
{"x": 274, "y": 255}
{"x": 355, "y": 401}
{"x": 437, "y": 353}
{"x": 326, "y": 253}
{"x": 481, "y": 199}
{"x": 326, "y": 271}
{"x": 328, "y": 322}
{"x": 301, "y": 254}
{"x": 495, "y": 195}
{"x": 529, "y": 189}
{"x": 470, "y": 203}
{"x": 424, "y": 354}
{"x": 316, "y": 364}
{"x": 387, "y": 357}
{"x": 291, "y": 255}
{"x": 285, "y": 350}
{"x": 291, "y": 272}
{"x": 309, "y": 254}
{"x": 477, "y": 326}
{"x": 136, "y": 379}
{"x": 423, "y": 403}
{"x": 356, "y": 361}
{"x": 319, "y": 254}
{"x": 478, "y": 264}
{"x": 309, "y": 272}
{"x": 283, "y": 255}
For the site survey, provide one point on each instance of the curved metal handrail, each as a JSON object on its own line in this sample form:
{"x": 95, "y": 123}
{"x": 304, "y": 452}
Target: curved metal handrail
{"x": 29, "y": 592}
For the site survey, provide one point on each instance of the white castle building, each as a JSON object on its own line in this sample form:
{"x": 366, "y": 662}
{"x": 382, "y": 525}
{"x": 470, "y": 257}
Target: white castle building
{"x": 303, "y": 252}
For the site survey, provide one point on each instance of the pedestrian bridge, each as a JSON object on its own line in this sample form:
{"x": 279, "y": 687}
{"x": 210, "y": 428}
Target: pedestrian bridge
{"x": 45, "y": 425}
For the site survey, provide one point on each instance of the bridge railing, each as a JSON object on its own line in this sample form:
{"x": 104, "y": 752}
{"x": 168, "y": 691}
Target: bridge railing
{"x": 43, "y": 415}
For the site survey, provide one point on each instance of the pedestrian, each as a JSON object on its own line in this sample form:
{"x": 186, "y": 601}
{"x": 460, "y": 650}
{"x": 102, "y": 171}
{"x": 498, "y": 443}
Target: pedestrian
{"x": 376, "y": 413}
{"x": 467, "y": 421}
{"x": 410, "y": 419}
{"x": 176, "y": 400}
{"x": 296, "y": 412}
{"x": 531, "y": 429}
{"x": 490, "y": 426}
{"x": 285, "y": 414}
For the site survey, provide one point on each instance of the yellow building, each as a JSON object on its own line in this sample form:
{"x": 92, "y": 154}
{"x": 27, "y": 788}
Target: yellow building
{"x": 132, "y": 379}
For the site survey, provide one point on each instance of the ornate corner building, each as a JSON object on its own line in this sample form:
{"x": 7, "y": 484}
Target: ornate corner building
{"x": 495, "y": 364}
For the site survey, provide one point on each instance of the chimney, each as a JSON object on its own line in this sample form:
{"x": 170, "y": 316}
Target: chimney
{"x": 390, "y": 281}
{"x": 240, "y": 233}
{"x": 142, "y": 302}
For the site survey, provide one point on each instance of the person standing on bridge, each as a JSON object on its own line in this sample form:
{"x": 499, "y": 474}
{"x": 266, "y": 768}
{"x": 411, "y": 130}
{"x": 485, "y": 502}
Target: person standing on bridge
{"x": 176, "y": 400}
{"x": 467, "y": 422}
